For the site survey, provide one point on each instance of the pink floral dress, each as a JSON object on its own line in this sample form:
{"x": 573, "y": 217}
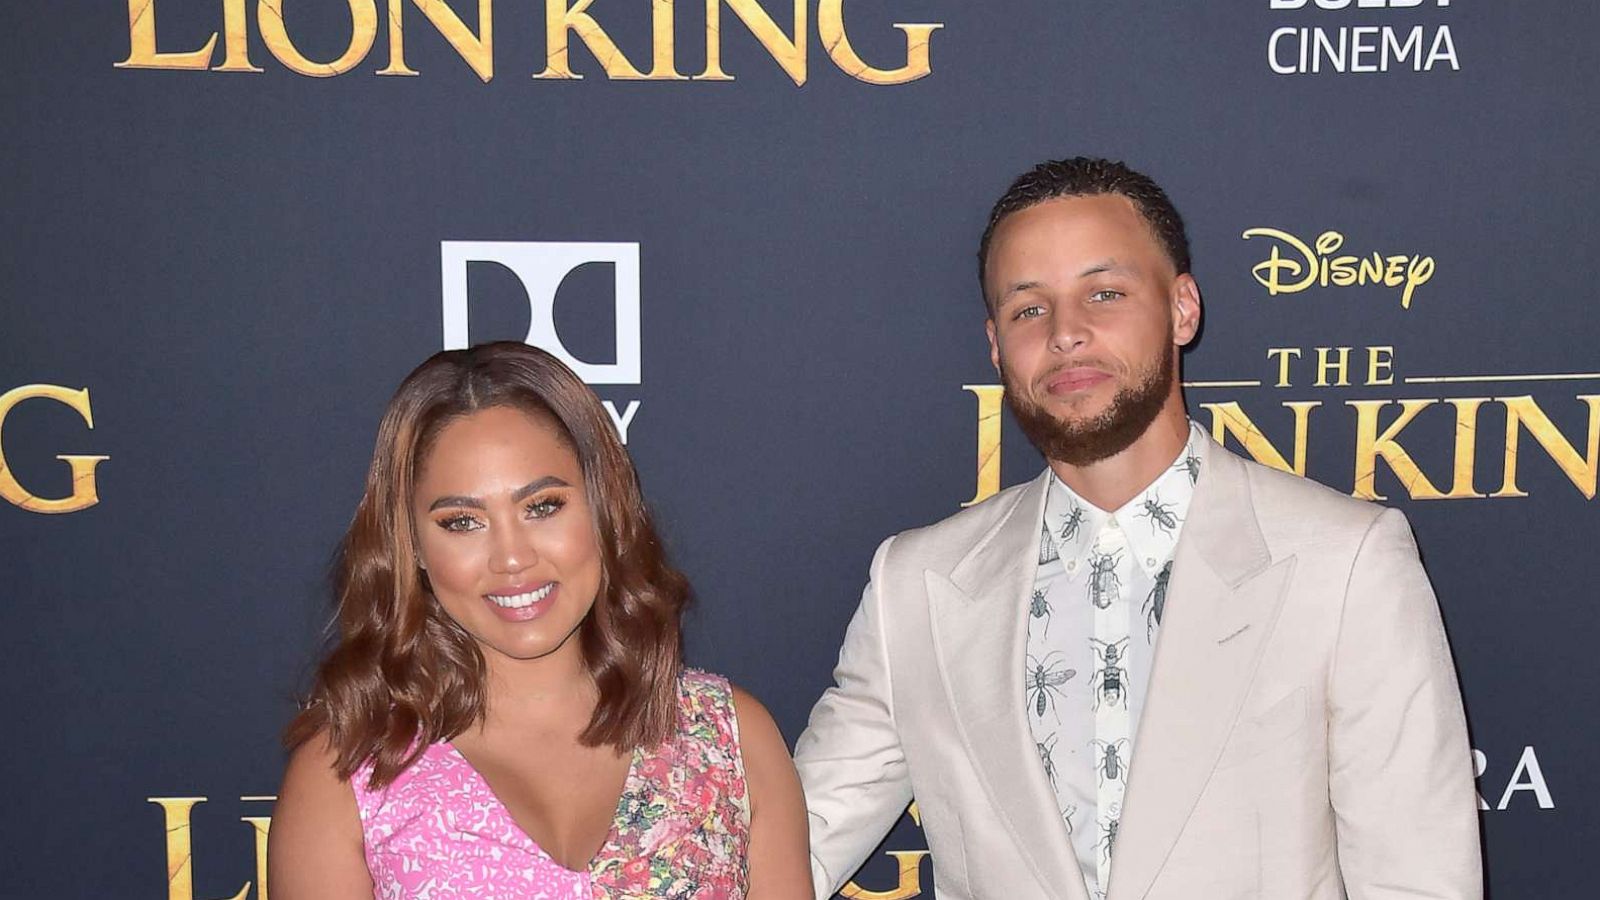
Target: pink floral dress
{"x": 681, "y": 829}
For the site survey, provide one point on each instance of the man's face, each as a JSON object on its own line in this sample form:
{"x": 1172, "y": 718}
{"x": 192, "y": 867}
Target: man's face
{"x": 1087, "y": 318}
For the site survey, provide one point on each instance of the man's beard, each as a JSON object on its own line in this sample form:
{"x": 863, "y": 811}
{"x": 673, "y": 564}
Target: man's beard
{"x": 1103, "y": 436}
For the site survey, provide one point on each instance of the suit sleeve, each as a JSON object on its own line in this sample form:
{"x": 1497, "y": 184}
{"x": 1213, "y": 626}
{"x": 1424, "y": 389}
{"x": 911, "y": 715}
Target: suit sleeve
{"x": 849, "y": 756}
{"x": 1400, "y": 768}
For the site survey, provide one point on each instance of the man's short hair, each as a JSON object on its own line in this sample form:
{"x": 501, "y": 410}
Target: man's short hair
{"x": 1084, "y": 176}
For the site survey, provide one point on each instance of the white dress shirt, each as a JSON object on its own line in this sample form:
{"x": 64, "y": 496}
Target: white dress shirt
{"x": 1093, "y": 619}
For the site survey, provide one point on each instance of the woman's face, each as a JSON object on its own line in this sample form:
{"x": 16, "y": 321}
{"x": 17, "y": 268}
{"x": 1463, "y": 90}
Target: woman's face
{"x": 505, "y": 532}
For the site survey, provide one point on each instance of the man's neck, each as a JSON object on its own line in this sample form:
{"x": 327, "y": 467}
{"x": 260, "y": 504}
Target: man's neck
{"x": 1110, "y": 483}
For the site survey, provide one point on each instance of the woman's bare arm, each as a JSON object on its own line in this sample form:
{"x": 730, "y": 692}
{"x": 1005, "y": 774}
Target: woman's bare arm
{"x": 780, "y": 855}
{"x": 314, "y": 849}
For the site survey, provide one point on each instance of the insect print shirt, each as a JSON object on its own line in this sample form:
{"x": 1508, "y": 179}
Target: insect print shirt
{"x": 1093, "y": 618}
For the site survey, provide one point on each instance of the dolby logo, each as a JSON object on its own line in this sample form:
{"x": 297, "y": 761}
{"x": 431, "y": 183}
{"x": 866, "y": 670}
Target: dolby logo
{"x": 540, "y": 267}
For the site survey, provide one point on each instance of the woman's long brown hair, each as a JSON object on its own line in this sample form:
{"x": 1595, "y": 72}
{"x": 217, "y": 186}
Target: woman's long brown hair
{"x": 403, "y": 674}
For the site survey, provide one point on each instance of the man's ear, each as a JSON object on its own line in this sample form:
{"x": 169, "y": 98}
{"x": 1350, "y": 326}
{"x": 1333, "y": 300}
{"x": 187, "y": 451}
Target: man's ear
{"x": 1185, "y": 309}
{"x": 994, "y": 346}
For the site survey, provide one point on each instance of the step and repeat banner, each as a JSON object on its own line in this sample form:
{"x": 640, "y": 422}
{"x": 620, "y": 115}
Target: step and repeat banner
{"x": 231, "y": 226}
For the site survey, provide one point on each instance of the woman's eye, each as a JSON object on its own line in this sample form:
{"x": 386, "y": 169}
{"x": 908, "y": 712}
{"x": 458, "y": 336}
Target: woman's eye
{"x": 460, "y": 523}
{"x": 545, "y": 508}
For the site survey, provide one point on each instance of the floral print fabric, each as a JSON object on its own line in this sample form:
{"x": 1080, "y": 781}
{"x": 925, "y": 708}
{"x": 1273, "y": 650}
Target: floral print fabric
{"x": 680, "y": 832}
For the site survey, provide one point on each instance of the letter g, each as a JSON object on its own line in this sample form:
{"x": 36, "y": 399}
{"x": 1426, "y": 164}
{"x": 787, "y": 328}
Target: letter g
{"x": 84, "y": 491}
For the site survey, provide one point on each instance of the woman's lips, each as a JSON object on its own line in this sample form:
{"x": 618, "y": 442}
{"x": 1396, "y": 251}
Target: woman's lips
{"x": 522, "y": 603}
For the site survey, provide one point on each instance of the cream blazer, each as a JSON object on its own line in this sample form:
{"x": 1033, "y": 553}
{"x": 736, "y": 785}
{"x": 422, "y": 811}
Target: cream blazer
{"x": 1303, "y": 736}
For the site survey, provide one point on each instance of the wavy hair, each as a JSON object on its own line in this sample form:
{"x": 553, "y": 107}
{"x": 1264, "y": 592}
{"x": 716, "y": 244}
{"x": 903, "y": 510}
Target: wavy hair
{"x": 402, "y": 674}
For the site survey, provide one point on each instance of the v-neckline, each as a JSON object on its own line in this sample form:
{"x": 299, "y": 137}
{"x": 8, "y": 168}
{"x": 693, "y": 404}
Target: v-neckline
{"x": 612, "y": 833}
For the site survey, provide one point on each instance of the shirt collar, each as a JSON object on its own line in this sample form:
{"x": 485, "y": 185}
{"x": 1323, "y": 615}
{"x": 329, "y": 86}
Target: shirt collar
{"x": 1151, "y": 521}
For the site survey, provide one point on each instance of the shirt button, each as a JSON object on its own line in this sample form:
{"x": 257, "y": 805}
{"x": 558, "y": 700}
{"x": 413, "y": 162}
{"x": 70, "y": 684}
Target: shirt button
{"x": 1111, "y": 522}
{"x": 1150, "y": 561}
{"x": 1072, "y": 565}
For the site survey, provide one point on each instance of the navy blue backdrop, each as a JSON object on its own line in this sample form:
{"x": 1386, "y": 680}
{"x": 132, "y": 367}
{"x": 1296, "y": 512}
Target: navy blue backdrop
{"x": 230, "y": 230}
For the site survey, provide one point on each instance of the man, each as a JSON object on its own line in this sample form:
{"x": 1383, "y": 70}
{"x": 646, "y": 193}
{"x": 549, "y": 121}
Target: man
{"x": 1157, "y": 670}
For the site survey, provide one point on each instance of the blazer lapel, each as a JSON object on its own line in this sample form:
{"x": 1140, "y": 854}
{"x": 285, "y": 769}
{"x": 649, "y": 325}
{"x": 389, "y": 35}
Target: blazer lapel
{"x": 979, "y": 633}
{"x": 1224, "y": 599}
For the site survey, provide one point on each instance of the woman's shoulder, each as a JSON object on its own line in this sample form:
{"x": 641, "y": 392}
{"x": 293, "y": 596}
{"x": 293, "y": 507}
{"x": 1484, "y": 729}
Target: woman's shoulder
{"x": 705, "y": 704}
{"x": 313, "y": 768}
{"x": 697, "y": 686}
{"x": 316, "y": 767}
{"x": 713, "y": 705}
{"x": 707, "y": 695}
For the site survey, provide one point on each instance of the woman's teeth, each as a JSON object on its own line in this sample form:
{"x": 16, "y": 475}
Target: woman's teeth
{"x": 518, "y": 601}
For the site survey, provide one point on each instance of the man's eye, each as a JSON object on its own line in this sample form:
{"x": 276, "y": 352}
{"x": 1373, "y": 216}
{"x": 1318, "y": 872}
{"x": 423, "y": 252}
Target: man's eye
{"x": 1029, "y": 312}
{"x": 1103, "y": 296}
{"x": 460, "y": 523}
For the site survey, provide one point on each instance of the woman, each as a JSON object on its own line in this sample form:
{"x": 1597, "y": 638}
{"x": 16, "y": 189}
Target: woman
{"x": 506, "y": 713}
